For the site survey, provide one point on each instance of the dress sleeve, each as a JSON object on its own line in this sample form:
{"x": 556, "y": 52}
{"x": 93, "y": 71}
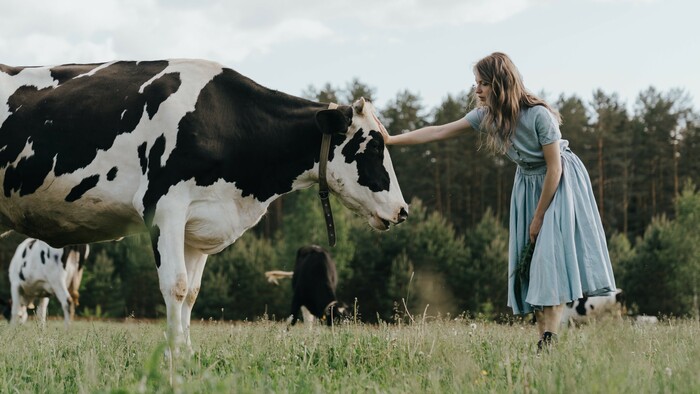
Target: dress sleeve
{"x": 475, "y": 117}
{"x": 546, "y": 126}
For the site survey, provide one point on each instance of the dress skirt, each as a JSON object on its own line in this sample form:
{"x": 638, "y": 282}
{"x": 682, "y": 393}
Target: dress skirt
{"x": 571, "y": 257}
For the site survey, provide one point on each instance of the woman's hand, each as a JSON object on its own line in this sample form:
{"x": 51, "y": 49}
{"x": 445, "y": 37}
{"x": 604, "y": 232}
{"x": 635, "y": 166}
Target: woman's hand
{"x": 535, "y": 227}
{"x": 386, "y": 137}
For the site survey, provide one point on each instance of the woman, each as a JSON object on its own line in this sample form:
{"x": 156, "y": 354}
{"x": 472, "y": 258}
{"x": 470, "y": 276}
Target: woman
{"x": 552, "y": 200}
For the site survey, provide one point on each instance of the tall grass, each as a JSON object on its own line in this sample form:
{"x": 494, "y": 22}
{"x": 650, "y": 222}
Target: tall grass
{"x": 439, "y": 356}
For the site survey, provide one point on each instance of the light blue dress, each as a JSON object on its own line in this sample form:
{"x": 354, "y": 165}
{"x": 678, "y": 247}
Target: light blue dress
{"x": 571, "y": 255}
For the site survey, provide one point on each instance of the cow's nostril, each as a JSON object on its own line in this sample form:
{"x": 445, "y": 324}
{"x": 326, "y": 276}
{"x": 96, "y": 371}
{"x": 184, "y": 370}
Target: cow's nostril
{"x": 402, "y": 215}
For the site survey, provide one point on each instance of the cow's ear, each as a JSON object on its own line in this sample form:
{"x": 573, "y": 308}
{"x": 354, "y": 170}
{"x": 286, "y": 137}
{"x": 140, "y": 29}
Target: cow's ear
{"x": 359, "y": 105}
{"x": 332, "y": 121}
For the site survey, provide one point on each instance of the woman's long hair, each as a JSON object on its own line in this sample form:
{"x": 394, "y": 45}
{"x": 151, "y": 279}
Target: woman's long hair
{"x": 508, "y": 96}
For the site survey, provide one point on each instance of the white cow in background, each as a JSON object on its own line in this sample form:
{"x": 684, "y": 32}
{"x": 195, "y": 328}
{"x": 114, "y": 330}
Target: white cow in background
{"x": 37, "y": 271}
{"x": 586, "y": 309}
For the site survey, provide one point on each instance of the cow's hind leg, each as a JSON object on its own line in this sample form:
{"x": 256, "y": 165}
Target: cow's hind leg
{"x": 41, "y": 308}
{"x": 66, "y": 302}
{"x": 309, "y": 318}
{"x": 73, "y": 291}
{"x": 296, "y": 309}
{"x": 195, "y": 262}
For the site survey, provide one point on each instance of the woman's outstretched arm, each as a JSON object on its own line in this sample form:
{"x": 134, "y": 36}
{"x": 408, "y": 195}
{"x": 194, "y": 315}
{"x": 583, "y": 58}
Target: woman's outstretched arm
{"x": 429, "y": 133}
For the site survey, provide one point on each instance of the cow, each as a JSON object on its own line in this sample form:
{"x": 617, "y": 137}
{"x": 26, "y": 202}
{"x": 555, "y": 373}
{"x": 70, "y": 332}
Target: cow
{"x": 188, "y": 151}
{"x": 586, "y": 308}
{"x": 314, "y": 281}
{"x": 37, "y": 271}
{"x": 645, "y": 319}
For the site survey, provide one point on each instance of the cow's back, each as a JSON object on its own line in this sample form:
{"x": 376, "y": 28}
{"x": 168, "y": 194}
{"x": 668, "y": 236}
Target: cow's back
{"x": 590, "y": 308}
{"x": 75, "y": 142}
{"x": 315, "y": 265}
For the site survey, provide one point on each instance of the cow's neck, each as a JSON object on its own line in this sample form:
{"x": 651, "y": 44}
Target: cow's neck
{"x": 281, "y": 154}
{"x": 290, "y": 149}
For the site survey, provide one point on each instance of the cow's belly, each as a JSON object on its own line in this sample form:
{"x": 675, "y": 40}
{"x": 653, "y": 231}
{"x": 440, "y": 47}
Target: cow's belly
{"x": 36, "y": 288}
{"x": 213, "y": 225}
{"x": 95, "y": 217}
{"x": 58, "y": 215}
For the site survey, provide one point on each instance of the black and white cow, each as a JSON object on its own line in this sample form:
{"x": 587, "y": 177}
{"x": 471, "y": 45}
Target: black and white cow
{"x": 37, "y": 271}
{"x": 586, "y": 309}
{"x": 187, "y": 150}
{"x": 314, "y": 281}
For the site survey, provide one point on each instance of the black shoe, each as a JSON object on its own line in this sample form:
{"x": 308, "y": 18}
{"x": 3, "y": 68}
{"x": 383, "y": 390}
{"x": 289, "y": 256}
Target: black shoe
{"x": 548, "y": 340}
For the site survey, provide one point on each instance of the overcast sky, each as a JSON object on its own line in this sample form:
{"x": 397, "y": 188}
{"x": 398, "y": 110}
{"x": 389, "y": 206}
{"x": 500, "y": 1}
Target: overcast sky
{"x": 425, "y": 46}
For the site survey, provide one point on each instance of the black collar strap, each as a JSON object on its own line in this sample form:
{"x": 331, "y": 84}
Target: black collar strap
{"x": 323, "y": 183}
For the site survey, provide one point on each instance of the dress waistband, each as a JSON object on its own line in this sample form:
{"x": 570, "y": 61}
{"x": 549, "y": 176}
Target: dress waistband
{"x": 541, "y": 169}
{"x": 532, "y": 170}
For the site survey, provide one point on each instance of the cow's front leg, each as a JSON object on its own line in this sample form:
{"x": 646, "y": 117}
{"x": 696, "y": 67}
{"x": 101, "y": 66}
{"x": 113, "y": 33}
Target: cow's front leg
{"x": 167, "y": 238}
{"x": 195, "y": 261}
{"x": 18, "y": 303}
{"x": 19, "y": 306}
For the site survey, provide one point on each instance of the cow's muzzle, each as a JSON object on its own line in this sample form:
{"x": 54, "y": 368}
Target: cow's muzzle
{"x": 403, "y": 215}
{"x": 380, "y": 223}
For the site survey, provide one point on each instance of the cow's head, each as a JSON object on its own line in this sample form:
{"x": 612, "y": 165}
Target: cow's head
{"x": 337, "y": 312}
{"x": 360, "y": 171}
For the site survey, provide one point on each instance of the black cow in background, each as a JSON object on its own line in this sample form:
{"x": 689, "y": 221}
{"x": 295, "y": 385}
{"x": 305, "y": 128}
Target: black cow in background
{"x": 314, "y": 281}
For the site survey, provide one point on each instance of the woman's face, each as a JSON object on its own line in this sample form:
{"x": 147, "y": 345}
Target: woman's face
{"x": 483, "y": 90}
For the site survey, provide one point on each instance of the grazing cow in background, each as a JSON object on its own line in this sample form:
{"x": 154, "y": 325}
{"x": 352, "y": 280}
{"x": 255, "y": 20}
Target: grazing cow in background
{"x": 37, "y": 271}
{"x": 591, "y": 308}
{"x": 645, "y": 319}
{"x": 313, "y": 283}
{"x": 189, "y": 151}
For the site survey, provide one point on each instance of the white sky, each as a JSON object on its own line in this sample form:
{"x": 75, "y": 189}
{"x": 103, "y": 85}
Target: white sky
{"x": 425, "y": 46}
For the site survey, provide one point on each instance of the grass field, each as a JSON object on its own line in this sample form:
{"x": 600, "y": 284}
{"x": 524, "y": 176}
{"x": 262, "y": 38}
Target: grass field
{"x": 458, "y": 356}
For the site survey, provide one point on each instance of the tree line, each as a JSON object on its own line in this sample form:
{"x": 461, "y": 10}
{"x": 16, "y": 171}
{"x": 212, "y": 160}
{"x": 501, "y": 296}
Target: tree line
{"x": 450, "y": 257}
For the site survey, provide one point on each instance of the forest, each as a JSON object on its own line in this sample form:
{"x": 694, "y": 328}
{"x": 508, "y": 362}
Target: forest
{"x": 450, "y": 257}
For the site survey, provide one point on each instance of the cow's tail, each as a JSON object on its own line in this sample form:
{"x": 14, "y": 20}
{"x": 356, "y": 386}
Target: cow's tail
{"x": 273, "y": 276}
{"x": 6, "y": 233}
